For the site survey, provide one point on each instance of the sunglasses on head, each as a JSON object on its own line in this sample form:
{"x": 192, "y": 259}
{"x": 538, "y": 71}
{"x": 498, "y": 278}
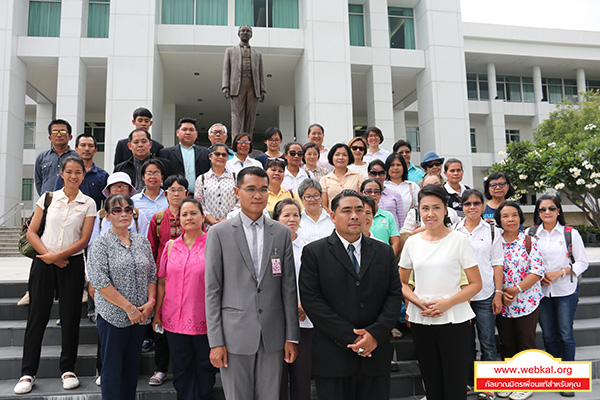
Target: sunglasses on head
{"x": 118, "y": 210}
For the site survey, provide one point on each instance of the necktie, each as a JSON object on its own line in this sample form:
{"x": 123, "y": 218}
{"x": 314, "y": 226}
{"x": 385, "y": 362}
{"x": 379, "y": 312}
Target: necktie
{"x": 254, "y": 248}
{"x": 353, "y": 258}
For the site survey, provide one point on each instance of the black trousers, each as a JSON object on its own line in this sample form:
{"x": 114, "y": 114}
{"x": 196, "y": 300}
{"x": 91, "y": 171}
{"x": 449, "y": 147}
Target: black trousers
{"x": 46, "y": 281}
{"x": 444, "y": 354}
{"x": 355, "y": 387}
{"x": 517, "y": 334}
{"x": 295, "y": 377}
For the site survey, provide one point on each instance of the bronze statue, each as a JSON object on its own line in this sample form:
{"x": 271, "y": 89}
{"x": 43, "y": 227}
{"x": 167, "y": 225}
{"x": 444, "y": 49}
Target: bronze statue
{"x": 243, "y": 82}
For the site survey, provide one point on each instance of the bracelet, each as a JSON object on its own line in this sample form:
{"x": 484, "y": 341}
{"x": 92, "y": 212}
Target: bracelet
{"x": 133, "y": 312}
{"x": 564, "y": 273}
{"x": 519, "y": 287}
{"x": 499, "y": 291}
{"x": 152, "y": 300}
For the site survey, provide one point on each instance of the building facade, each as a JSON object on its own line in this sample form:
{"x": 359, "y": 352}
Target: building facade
{"x": 410, "y": 67}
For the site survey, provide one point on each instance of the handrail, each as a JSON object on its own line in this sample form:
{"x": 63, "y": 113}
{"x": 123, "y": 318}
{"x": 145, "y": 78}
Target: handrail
{"x": 15, "y": 211}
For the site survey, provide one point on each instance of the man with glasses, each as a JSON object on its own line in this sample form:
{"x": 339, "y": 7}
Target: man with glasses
{"x": 251, "y": 299}
{"x": 47, "y": 163}
{"x": 187, "y": 158}
{"x": 217, "y": 133}
{"x": 404, "y": 148}
{"x": 140, "y": 144}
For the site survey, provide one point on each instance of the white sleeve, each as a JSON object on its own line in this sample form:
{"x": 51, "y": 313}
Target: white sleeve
{"x": 581, "y": 261}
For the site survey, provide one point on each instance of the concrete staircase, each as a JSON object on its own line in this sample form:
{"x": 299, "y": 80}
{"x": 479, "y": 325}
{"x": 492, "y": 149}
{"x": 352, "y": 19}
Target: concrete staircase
{"x": 404, "y": 385}
{"x": 9, "y": 241}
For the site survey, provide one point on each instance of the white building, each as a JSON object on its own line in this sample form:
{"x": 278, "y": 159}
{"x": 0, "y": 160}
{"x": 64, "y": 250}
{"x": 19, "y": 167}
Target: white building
{"x": 410, "y": 67}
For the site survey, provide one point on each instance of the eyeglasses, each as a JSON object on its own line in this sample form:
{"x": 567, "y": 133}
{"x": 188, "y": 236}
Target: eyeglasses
{"x": 294, "y": 153}
{"x": 313, "y": 197}
{"x": 474, "y": 203}
{"x": 243, "y": 141}
{"x": 216, "y": 154}
{"x": 119, "y": 210}
{"x": 498, "y": 185}
{"x": 273, "y": 139}
{"x": 433, "y": 164}
{"x": 176, "y": 190}
{"x": 153, "y": 173}
{"x": 121, "y": 186}
{"x": 374, "y": 174}
{"x": 60, "y": 133}
{"x": 252, "y": 190}
{"x": 551, "y": 208}
{"x": 404, "y": 152}
{"x": 357, "y": 148}
{"x": 216, "y": 132}
{"x": 372, "y": 191}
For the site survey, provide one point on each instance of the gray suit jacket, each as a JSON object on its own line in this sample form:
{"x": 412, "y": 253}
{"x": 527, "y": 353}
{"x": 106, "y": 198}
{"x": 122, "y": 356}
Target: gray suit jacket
{"x": 232, "y": 71}
{"x": 240, "y": 309}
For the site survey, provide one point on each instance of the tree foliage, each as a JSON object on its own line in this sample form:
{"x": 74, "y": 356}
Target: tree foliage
{"x": 564, "y": 156}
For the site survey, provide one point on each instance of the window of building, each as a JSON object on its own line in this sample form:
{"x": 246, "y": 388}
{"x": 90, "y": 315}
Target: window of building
{"x": 29, "y": 136}
{"x": 554, "y": 90}
{"x": 472, "y": 87}
{"x": 473, "y": 140}
{"x": 593, "y": 85}
{"x": 515, "y": 88}
{"x": 356, "y": 20}
{"x": 402, "y": 28}
{"x": 528, "y": 96}
{"x": 27, "y": 189}
{"x": 477, "y": 87}
{"x": 98, "y": 14}
{"x": 97, "y": 130}
{"x": 512, "y": 135}
{"x": 44, "y": 18}
{"x": 267, "y": 13}
{"x": 570, "y": 87}
{"x": 189, "y": 12}
{"x": 414, "y": 137}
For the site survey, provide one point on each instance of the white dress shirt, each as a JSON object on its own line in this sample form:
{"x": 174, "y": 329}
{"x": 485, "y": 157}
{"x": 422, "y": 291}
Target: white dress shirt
{"x": 235, "y": 165}
{"x": 297, "y": 246}
{"x": 553, "y": 248}
{"x": 356, "y": 244}
{"x": 292, "y": 182}
{"x": 311, "y": 230}
{"x": 488, "y": 254}
{"x": 409, "y": 191}
{"x": 380, "y": 155}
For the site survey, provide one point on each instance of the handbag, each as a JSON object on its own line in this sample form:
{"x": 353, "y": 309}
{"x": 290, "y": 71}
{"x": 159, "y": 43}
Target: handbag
{"x": 24, "y": 246}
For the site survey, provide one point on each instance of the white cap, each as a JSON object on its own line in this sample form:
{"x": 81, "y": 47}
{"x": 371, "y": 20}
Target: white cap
{"x": 118, "y": 177}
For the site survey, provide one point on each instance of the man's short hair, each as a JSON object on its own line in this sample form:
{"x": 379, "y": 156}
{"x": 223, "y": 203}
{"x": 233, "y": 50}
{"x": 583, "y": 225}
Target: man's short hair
{"x": 141, "y": 112}
{"x": 401, "y": 143}
{"x": 256, "y": 171}
{"x": 345, "y": 193}
{"x": 59, "y": 122}
{"x": 186, "y": 120}
{"x": 130, "y": 137}
{"x": 86, "y": 135}
{"x": 217, "y": 124}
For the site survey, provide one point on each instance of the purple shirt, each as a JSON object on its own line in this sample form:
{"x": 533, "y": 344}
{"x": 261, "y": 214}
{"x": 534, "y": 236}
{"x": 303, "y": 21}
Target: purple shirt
{"x": 391, "y": 200}
{"x": 183, "y": 310}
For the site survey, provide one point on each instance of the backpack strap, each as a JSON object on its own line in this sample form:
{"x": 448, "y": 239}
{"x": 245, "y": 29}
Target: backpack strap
{"x": 136, "y": 214}
{"x": 528, "y": 243}
{"x": 48, "y": 200}
{"x": 569, "y": 243}
{"x": 532, "y": 231}
{"x": 170, "y": 247}
{"x": 159, "y": 217}
{"x": 493, "y": 229}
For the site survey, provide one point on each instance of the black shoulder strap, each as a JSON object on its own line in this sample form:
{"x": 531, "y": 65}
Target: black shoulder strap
{"x": 533, "y": 230}
{"x": 493, "y": 229}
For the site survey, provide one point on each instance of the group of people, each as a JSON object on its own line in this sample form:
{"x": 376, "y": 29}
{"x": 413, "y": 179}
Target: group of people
{"x": 290, "y": 266}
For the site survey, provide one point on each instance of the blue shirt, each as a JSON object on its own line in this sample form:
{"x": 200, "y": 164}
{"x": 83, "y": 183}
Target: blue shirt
{"x": 189, "y": 163}
{"x": 148, "y": 206}
{"x": 415, "y": 174}
{"x": 92, "y": 185}
{"x": 47, "y": 168}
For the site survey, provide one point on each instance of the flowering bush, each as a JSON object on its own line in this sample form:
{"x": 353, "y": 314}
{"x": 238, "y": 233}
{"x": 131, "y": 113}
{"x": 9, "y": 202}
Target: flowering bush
{"x": 564, "y": 156}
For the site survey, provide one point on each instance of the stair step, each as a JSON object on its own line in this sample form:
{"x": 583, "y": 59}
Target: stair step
{"x": 12, "y": 333}
{"x": 588, "y": 307}
{"x": 589, "y": 287}
{"x": 10, "y": 311}
{"x": 13, "y": 289}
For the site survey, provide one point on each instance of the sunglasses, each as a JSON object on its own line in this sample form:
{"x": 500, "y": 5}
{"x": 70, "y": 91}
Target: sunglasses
{"x": 216, "y": 154}
{"x": 372, "y": 191}
{"x": 551, "y": 208}
{"x": 433, "y": 164}
{"x": 295, "y": 153}
{"x": 119, "y": 210}
{"x": 474, "y": 203}
{"x": 377, "y": 173}
{"x": 59, "y": 133}
{"x": 357, "y": 148}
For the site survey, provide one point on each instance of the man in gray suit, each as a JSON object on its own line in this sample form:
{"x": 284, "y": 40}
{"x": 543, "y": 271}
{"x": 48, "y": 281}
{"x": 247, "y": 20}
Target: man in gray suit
{"x": 243, "y": 82}
{"x": 251, "y": 301}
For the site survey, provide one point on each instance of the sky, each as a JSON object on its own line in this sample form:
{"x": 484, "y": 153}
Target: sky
{"x": 557, "y": 14}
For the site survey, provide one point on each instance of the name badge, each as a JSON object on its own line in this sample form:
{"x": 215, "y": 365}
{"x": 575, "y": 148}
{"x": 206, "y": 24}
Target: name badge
{"x": 276, "y": 265}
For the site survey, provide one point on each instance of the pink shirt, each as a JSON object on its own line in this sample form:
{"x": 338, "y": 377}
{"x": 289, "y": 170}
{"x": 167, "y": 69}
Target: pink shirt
{"x": 183, "y": 309}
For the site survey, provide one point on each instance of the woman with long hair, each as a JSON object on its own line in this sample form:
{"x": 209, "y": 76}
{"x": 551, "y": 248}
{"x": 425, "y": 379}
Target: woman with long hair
{"x": 340, "y": 156}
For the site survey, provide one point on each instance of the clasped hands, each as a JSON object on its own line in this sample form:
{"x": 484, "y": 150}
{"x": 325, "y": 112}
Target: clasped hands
{"x": 434, "y": 309}
{"x": 365, "y": 342}
{"x": 142, "y": 313}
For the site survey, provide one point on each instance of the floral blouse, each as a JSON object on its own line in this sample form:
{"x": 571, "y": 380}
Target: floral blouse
{"x": 517, "y": 265}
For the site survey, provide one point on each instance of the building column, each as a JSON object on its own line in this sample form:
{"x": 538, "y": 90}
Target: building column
{"x": 13, "y": 78}
{"x": 169, "y": 124}
{"x": 399, "y": 125}
{"x": 286, "y": 124}
{"x": 131, "y": 81}
{"x": 491, "y": 76}
{"x": 537, "y": 84}
{"x": 323, "y": 78}
{"x": 44, "y": 114}
{"x": 442, "y": 86}
{"x": 581, "y": 86}
{"x": 542, "y": 109}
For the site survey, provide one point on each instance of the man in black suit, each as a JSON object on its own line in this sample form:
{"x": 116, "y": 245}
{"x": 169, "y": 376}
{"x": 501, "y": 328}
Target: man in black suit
{"x": 187, "y": 159}
{"x": 140, "y": 145}
{"x": 350, "y": 289}
{"x": 142, "y": 119}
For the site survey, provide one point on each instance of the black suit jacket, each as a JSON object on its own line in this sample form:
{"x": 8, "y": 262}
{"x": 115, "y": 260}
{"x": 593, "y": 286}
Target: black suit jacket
{"x": 122, "y": 152}
{"x": 173, "y": 154}
{"x": 337, "y": 301}
{"x": 129, "y": 168}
